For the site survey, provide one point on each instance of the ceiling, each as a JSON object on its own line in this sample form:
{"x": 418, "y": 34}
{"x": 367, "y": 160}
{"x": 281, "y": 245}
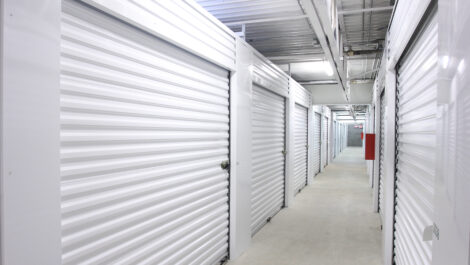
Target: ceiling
{"x": 281, "y": 31}
{"x": 276, "y": 28}
{"x": 346, "y": 113}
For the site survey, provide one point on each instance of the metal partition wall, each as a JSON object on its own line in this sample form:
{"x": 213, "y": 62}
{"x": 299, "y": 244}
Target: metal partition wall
{"x": 324, "y": 157}
{"x": 267, "y": 186}
{"x": 316, "y": 143}
{"x": 381, "y": 154}
{"x": 335, "y": 138}
{"x": 416, "y": 146}
{"x": 300, "y": 147}
{"x": 144, "y": 147}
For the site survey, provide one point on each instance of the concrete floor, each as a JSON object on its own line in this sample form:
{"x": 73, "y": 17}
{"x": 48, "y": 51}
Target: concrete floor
{"x": 330, "y": 222}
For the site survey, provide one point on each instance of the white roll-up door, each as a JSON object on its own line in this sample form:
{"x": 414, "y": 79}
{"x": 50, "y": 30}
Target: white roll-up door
{"x": 267, "y": 186}
{"x": 381, "y": 154}
{"x": 324, "y": 156}
{"x": 335, "y": 138}
{"x": 144, "y": 130}
{"x": 416, "y": 147}
{"x": 316, "y": 143}
{"x": 300, "y": 146}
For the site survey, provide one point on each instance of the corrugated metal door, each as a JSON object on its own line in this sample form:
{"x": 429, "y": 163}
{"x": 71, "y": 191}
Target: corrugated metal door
{"x": 324, "y": 156}
{"x": 267, "y": 186}
{"x": 145, "y": 127}
{"x": 316, "y": 143}
{"x": 416, "y": 147}
{"x": 300, "y": 146}
{"x": 333, "y": 148}
{"x": 381, "y": 153}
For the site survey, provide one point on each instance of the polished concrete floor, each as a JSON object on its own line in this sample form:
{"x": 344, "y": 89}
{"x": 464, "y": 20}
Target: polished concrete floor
{"x": 330, "y": 222}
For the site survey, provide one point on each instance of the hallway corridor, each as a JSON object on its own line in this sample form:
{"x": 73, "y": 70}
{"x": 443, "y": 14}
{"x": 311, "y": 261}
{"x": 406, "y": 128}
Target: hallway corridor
{"x": 330, "y": 222}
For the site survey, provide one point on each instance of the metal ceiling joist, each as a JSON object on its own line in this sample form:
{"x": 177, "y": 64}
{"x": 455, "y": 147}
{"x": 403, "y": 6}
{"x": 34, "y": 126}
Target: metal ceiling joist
{"x": 265, "y": 20}
{"x": 298, "y": 58}
{"x": 363, "y": 73}
{"x": 341, "y": 21}
{"x": 324, "y": 33}
{"x": 363, "y": 10}
{"x": 322, "y": 82}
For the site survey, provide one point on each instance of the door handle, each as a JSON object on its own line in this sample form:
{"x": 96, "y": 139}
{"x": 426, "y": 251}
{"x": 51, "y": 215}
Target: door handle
{"x": 225, "y": 165}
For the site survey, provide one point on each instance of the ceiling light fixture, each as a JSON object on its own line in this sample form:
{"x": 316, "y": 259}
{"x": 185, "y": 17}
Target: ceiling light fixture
{"x": 445, "y": 61}
{"x": 327, "y": 68}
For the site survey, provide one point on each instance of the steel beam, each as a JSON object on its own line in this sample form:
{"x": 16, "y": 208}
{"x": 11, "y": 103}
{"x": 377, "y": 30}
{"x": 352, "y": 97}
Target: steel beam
{"x": 363, "y": 73}
{"x": 363, "y": 10}
{"x": 313, "y": 9}
{"x": 320, "y": 82}
{"x": 264, "y": 20}
{"x": 297, "y": 58}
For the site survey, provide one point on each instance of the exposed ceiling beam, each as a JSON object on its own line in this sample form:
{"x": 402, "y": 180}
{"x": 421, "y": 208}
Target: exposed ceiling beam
{"x": 264, "y": 20}
{"x": 324, "y": 33}
{"x": 353, "y": 114}
{"x": 298, "y": 58}
{"x": 363, "y": 10}
{"x": 319, "y": 82}
{"x": 342, "y": 27}
{"x": 363, "y": 73}
{"x": 364, "y": 52}
{"x": 362, "y": 81}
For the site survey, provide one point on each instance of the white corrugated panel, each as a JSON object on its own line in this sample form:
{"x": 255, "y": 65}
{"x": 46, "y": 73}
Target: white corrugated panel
{"x": 338, "y": 138}
{"x": 324, "y": 155}
{"x": 268, "y": 75}
{"x": 381, "y": 154}
{"x": 144, "y": 129}
{"x": 267, "y": 185}
{"x": 335, "y": 138}
{"x": 416, "y": 148}
{"x": 316, "y": 143}
{"x": 300, "y": 147}
{"x": 183, "y": 23}
{"x": 407, "y": 13}
{"x": 301, "y": 95}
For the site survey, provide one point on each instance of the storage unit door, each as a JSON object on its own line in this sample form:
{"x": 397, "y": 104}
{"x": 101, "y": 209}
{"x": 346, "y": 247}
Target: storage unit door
{"x": 416, "y": 147}
{"x": 324, "y": 156}
{"x": 381, "y": 154}
{"x": 144, "y": 129}
{"x": 316, "y": 143}
{"x": 333, "y": 140}
{"x": 267, "y": 185}
{"x": 300, "y": 147}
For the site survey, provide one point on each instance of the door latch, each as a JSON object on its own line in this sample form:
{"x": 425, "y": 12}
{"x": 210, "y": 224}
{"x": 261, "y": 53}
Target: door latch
{"x": 284, "y": 152}
{"x": 431, "y": 232}
{"x": 225, "y": 165}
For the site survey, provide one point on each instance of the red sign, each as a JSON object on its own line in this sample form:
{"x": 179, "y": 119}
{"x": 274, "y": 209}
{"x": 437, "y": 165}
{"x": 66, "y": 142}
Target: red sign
{"x": 370, "y": 146}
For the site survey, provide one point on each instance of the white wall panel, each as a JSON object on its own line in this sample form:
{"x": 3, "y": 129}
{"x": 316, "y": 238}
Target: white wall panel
{"x": 301, "y": 95}
{"x": 29, "y": 124}
{"x": 268, "y": 75}
{"x": 240, "y": 151}
{"x": 381, "y": 155}
{"x": 268, "y": 138}
{"x": 325, "y": 131}
{"x": 452, "y": 196}
{"x": 330, "y": 138}
{"x": 300, "y": 147}
{"x": 183, "y": 23}
{"x": 316, "y": 143}
{"x": 144, "y": 129}
{"x": 405, "y": 20}
{"x": 416, "y": 148}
